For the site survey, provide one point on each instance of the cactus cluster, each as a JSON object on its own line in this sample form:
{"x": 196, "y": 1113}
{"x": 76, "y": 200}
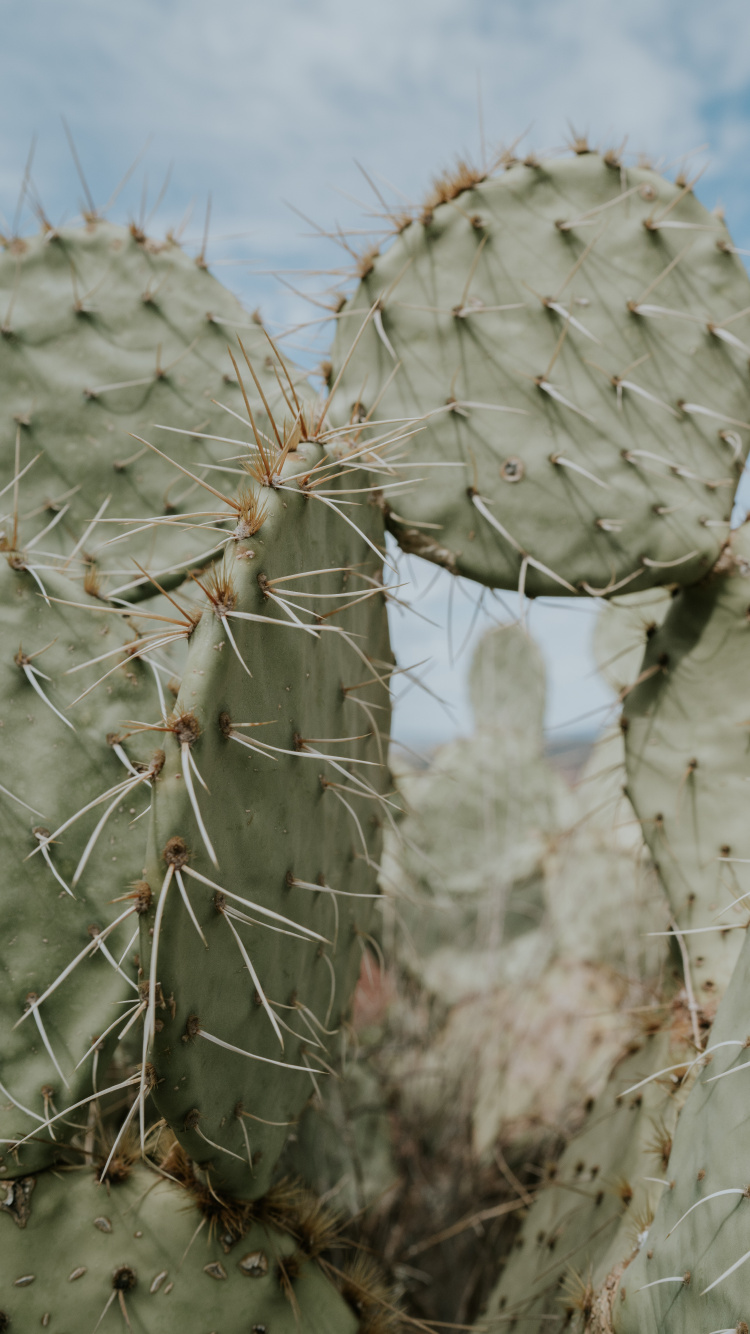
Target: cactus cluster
{"x": 195, "y": 699}
{"x": 542, "y": 385}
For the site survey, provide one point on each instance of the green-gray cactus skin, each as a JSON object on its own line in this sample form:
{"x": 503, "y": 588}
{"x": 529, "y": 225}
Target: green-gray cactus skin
{"x": 594, "y": 1211}
{"x": 562, "y": 335}
{"x": 624, "y": 624}
{"x": 58, "y": 893}
{"x": 691, "y": 1274}
{"x": 264, "y": 881}
{"x": 108, "y": 333}
{"x": 140, "y": 1254}
{"x": 688, "y": 766}
{"x": 480, "y": 817}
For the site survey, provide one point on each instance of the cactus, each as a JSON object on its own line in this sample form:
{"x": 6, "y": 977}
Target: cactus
{"x": 107, "y": 333}
{"x": 481, "y": 816}
{"x": 551, "y": 304}
{"x": 623, "y": 625}
{"x": 688, "y": 765}
{"x": 598, "y": 1202}
{"x": 68, "y": 849}
{"x": 564, "y": 337}
{"x": 691, "y": 1275}
{"x": 141, "y": 1255}
{"x": 266, "y": 825}
{"x": 503, "y": 1046}
{"x": 318, "y": 797}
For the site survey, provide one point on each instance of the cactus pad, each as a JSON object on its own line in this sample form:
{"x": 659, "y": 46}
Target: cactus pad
{"x": 106, "y": 333}
{"x": 58, "y": 895}
{"x": 266, "y": 831}
{"x": 571, "y": 340}
{"x": 141, "y": 1256}
{"x": 688, "y": 764}
{"x": 692, "y": 1274}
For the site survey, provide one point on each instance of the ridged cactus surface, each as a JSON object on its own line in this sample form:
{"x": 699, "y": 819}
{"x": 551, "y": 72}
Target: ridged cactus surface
{"x": 570, "y": 339}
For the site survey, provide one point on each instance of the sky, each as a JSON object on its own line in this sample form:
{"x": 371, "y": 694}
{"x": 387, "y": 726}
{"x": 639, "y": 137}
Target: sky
{"x": 267, "y": 108}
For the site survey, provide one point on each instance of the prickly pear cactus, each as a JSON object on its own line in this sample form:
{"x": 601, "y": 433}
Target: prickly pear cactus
{"x": 688, "y": 765}
{"x": 691, "y": 1274}
{"x": 71, "y": 853}
{"x": 107, "y": 333}
{"x": 571, "y": 340}
{"x": 266, "y": 829}
{"x": 594, "y": 1211}
{"x": 140, "y": 1255}
{"x": 622, "y": 628}
{"x": 480, "y": 819}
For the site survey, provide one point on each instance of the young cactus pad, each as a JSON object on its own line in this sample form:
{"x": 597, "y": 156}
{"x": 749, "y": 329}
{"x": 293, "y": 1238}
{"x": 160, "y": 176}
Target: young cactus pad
{"x": 107, "y": 333}
{"x": 688, "y": 765}
{"x": 692, "y": 1274}
{"x": 266, "y": 827}
{"x": 571, "y": 338}
{"x": 68, "y": 849}
{"x": 140, "y": 1256}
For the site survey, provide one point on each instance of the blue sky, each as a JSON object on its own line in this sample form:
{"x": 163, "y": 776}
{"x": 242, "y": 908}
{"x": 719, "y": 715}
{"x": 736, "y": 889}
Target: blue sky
{"x": 257, "y": 104}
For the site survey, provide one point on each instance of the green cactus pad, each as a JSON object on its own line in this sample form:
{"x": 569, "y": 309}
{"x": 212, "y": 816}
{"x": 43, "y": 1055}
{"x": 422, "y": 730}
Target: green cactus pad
{"x": 688, "y": 764}
{"x": 142, "y": 1254}
{"x": 563, "y": 336}
{"x": 49, "y": 773}
{"x": 692, "y": 1274}
{"x": 592, "y": 1212}
{"x": 622, "y": 628}
{"x": 106, "y": 333}
{"x": 282, "y": 723}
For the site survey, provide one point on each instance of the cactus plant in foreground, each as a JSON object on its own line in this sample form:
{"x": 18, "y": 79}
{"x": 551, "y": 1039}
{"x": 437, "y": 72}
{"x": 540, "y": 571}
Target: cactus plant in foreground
{"x": 266, "y": 830}
{"x": 288, "y": 637}
{"x": 151, "y": 1254}
{"x": 567, "y": 337}
{"x": 107, "y": 332}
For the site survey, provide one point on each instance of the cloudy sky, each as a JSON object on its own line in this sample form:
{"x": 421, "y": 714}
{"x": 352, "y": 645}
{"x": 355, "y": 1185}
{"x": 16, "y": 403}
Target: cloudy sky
{"x": 263, "y": 105}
